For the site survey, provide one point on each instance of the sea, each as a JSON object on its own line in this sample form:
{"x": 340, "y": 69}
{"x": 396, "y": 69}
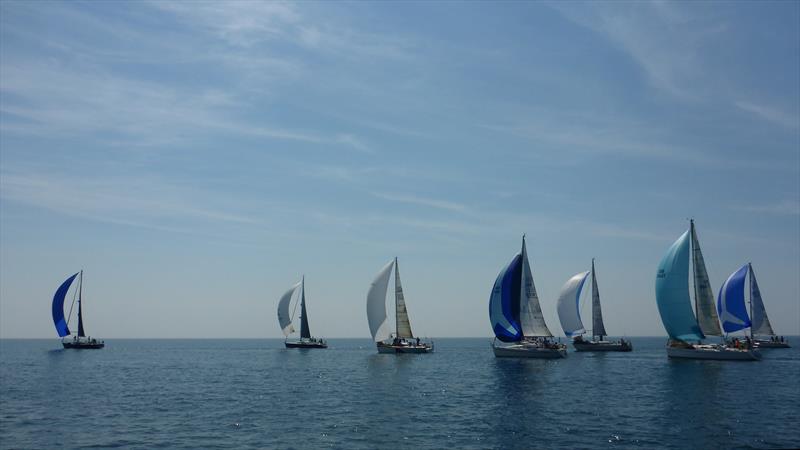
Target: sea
{"x": 230, "y": 393}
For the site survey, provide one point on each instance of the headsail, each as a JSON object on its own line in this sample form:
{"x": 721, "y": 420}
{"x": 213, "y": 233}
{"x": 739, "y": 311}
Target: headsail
{"x": 531, "y": 317}
{"x": 305, "y": 331}
{"x": 704, "y": 295}
{"x": 568, "y": 304}
{"x": 731, "y": 305}
{"x": 504, "y": 302}
{"x": 58, "y": 307}
{"x": 760, "y": 320}
{"x": 376, "y": 304}
{"x": 598, "y": 328}
{"x": 672, "y": 292}
{"x": 284, "y": 319}
{"x": 401, "y": 313}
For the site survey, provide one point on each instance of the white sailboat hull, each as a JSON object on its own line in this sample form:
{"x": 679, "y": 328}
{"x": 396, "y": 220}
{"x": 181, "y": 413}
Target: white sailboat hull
{"x": 527, "y": 351}
{"x": 713, "y": 352}
{"x": 408, "y": 348}
{"x": 772, "y": 344}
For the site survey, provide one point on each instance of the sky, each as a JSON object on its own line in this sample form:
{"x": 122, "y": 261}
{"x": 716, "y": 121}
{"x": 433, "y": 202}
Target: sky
{"x": 195, "y": 159}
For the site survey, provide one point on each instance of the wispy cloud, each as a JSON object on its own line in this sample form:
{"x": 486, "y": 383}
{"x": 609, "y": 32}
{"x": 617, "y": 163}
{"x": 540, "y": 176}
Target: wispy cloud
{"x": 783, "y": 208}
{"x": 771, "y": 114}
{"x": 421, "y": 201}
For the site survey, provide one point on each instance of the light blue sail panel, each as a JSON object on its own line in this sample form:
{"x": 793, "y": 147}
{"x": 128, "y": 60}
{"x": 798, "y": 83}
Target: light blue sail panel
{"x": 730, "y": 302}
{"x": 504, "y": 302}
{"x": 672, "y": 292}
{"x": 58, "y": 307}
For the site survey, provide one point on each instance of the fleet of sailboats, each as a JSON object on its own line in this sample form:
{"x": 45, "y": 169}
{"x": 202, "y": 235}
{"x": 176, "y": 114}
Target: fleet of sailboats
{"x": 686, "y": 329}
{"x": 402, "y": 340}
{"x": 79, "y": 340}
{"x": 285, "y": 320}
{"x": 516, "y": 318}
{"x": 570, "y": 317}
{"x": 516, "y": 314}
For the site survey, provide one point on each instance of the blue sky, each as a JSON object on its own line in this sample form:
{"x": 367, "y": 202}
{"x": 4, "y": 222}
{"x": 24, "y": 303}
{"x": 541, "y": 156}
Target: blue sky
{"x": 196, "y": 158}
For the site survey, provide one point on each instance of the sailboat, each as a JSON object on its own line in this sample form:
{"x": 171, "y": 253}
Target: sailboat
{"x": 285, "y": 320}
{"x": 516, "y": 315}
{"x": 732, "y": 311}
{"x": 80, "y": 340}
{"x": 687, "y": 330}
{"x": 570, "y": 317}
{"x": 402, "y": 340}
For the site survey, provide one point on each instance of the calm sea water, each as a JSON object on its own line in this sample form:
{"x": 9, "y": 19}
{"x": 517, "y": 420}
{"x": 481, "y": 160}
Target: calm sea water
{"x": 254, "y": 393}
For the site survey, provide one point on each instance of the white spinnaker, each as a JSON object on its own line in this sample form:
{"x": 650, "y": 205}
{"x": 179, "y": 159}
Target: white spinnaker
{"x": 531, "y": 317}
{"x": 284, "y": 319}
{"x": 376, "y": 304}
{"x": 568, "y": 301}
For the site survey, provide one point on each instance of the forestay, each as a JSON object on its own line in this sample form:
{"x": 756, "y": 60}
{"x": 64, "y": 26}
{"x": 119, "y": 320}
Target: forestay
{"x": 376, "y": 304}
{"x": 730, "y": 304}
{"x": 672, "y": 292}
{"x": 569, "y": 303}
{"x": 284, "y": 319}
{"x": 760, "y": 320}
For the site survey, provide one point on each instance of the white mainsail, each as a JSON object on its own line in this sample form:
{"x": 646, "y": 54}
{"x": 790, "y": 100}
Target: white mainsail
{"x": 704, "y": 297}
{"x": 401, "y": 313}
{"x": 568, "y": 304}
{"x": 284, "y": 319}
{"x": 598, "y": 328}
{"x": 376, "y": 304}
{"x": 761, "y": 325}
{"x": 531, "y": 317}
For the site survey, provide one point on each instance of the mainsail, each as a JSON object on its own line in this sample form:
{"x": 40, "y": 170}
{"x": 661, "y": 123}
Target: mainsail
{"x": 401, "y": 314}
{"x": 531, "y": 317}
{"x": 81, "y": 333}
{"x": 760, "y": 320}
{"x": 376, "y": 304}
{"x": 504, "y": 302}
{"x": 672, "y": 292}
{"x": 58, "y": 307}
{"x": 731, "y": 304}
{"x": 305, "y": 331}
{"x": 284, "y": 319}
{"x": 704, "y": 296}
{"x": 569, "y": 303}
{"x": 598, "y": 328}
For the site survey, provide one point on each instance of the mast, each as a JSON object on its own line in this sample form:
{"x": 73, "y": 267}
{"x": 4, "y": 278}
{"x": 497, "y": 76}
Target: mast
{"x": 81, "y": 333}
{"x": 304, "y": 330}
{"x": 396, "y": 297}
{"x": 694, "y": 268}
{"x": 750, "y": 275}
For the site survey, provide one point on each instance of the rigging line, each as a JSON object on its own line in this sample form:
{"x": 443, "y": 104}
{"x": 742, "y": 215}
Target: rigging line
{"x": 74, "y": 296}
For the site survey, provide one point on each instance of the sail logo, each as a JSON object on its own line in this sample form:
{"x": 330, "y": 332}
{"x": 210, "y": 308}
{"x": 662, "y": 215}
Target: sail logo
{"x": 661, "y": 274}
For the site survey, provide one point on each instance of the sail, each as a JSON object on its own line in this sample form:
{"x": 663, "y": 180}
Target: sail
{"x": 760, "y": 320}
{"x": 704, "y": 296}
{"x": 672, "y": 292}
{"x": 305, "y": 331}
{"x": 376, "y": 304}
{"x": 284, "y": 320}
{"x": 730, "y": 303}
{"x": 504, "y": 307}
{"x": 58, "y": 307}
{"x": 401, "y": 313}
{"x": 568, "y": 305}
{"x": 531, "y": 317}
{"x": 598, "y": 328}
{"x": 81, "y": 333}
